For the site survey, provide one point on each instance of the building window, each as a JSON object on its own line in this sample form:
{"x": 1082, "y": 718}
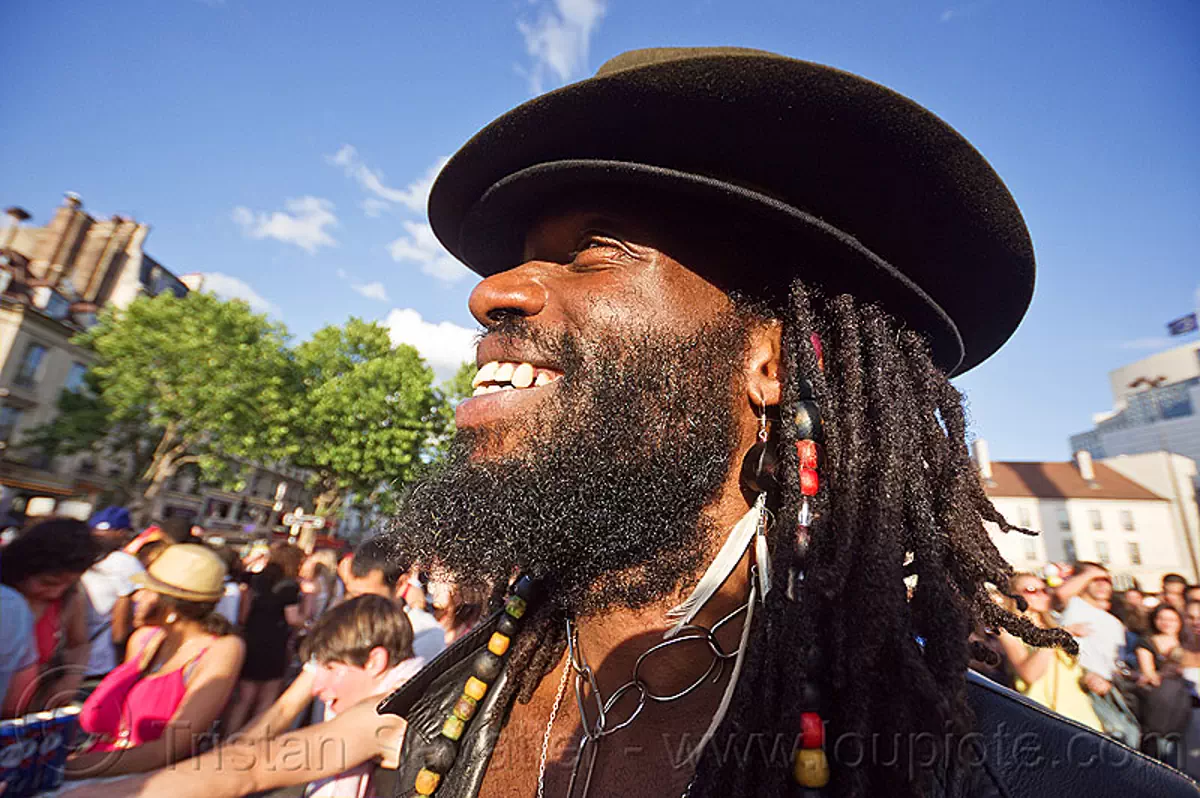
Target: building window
{"x": 31, "y": 365}
{"x": 1102, "y": 552}
{"x": 9, "y": 418}
{"x": 1064, "y": 520}
{"x": 1127, "y": 520}
{"x": 1031, "y": 551}
{"x": 1097, "y": 521}
{"x": 1069, "y": 550}
{"x": 1023, "y": 518}
{"x": 75, "y": 383}
{"x": 1135, "y": 553}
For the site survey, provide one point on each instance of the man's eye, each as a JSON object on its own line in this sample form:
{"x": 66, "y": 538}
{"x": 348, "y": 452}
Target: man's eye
{"x": 592, "y": 242}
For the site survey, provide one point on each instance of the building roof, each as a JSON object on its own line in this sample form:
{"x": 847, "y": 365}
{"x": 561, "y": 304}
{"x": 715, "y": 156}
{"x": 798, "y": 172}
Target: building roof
{"x": 1062, "y": 481}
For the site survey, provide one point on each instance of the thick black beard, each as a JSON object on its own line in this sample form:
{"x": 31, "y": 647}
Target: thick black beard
{"x": 604, "y": 499}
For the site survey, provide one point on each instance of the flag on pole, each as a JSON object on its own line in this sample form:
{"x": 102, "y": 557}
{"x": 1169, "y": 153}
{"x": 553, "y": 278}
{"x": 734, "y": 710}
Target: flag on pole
{"x": 1183, "y": 325}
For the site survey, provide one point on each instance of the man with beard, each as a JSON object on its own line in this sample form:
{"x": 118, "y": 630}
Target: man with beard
{"x": 714, "y": 435}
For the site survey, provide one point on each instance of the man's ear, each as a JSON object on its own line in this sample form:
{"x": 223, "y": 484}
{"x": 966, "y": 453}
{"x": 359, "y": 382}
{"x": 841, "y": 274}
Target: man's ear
{"x": 378, "y": 661}
{"x": 763, "y": 386}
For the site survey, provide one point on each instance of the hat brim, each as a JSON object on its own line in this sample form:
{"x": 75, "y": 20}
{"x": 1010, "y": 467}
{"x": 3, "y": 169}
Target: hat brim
{"x": 889, "y": 177}
{"x": 149, "y": 582}
{"x": 832, "y": 259}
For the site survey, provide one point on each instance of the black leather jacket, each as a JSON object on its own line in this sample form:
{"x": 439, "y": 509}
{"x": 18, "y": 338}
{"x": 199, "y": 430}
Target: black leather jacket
{"x": 1020, "y": 749}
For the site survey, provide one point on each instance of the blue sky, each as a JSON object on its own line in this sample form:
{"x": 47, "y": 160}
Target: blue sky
{"x": 285, "y": 148}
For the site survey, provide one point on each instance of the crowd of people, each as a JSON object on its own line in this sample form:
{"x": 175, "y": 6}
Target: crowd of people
{"x": 178, "y": 647}
{"x": 1136, "y": 674}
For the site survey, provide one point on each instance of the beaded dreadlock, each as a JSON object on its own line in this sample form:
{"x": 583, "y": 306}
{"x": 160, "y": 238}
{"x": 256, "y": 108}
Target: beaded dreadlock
{"x": 900, "y": 499}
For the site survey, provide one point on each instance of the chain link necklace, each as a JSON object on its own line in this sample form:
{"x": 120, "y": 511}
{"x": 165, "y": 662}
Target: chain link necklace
{"x": 606, "y": 723}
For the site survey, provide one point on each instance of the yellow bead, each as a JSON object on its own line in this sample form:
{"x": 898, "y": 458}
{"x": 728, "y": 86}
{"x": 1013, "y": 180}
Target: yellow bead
{"x": 475, "y": 688}
{"x": 427, "y": 781}
{"x": 810, "y": 768}
{"x": 498, "y": 644}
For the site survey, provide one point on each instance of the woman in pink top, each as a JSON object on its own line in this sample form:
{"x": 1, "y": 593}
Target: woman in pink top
{"x": 358, "y": 652}
{"x": 158, "y": 706}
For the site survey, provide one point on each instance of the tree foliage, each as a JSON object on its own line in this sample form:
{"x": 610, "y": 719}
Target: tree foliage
{"x": 366, "y": 413}
{"x": 177, "y": 381}
{"x": 208, "y": 382}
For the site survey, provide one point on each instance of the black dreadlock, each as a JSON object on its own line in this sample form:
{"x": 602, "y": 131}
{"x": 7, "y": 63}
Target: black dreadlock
{"x": 900, "y": 505}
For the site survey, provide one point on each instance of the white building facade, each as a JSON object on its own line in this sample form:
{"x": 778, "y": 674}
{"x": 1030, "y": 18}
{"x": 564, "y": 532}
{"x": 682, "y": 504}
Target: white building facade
{"x": 1085, "y": 511}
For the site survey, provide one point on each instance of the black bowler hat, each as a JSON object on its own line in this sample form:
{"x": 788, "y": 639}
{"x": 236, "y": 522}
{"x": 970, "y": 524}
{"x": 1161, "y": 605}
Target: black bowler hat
{"x": 872, "y": 194}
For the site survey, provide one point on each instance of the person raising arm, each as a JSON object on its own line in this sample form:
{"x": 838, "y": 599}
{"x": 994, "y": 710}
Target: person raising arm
{"x": 360, "y": 651}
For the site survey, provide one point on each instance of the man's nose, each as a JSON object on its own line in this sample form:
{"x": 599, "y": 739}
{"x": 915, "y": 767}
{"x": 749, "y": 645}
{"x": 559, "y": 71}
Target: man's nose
{"x": 515, "y": 292}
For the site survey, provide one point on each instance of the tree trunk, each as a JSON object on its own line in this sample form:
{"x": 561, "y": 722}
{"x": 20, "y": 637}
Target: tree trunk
{"x": 328, "y": 501}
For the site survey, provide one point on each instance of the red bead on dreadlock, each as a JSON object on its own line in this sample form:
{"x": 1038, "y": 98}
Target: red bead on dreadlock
{"x": 808, "y": 425}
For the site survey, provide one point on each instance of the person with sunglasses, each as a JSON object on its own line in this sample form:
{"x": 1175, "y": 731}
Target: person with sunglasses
{"x": 1050, "y": 676}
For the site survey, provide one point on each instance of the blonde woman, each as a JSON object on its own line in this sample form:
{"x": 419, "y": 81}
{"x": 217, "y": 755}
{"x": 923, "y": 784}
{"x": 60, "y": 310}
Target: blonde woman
{"x": 1048, "y": 676}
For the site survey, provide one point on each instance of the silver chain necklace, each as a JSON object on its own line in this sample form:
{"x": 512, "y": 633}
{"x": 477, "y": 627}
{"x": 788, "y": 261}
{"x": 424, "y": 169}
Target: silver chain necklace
{"x": 605, "y": 724}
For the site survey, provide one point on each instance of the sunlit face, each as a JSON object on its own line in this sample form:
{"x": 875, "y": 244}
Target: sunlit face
{"x": 612, "y": 403}
{"x": 1033, "y": 590}
{"x": 342, "y": 685}
{"x": 1100, "y": 589}
{"x": 587, "y": 275}
{"x": 1168, "y": 622}
{"x": 48, "y": 586}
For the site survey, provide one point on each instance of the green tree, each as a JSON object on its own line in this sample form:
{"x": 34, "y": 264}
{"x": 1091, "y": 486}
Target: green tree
{"x": 178, "y": 381}
{"x": 365, "y": 415}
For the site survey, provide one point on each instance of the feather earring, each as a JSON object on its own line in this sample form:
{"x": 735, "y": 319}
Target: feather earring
{"x": 751, "y": 527}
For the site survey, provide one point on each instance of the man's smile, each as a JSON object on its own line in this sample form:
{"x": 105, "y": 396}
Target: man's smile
{"x": 501, "y": 386}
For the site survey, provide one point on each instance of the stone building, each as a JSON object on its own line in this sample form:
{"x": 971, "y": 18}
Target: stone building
{"x": 53, "y": 281}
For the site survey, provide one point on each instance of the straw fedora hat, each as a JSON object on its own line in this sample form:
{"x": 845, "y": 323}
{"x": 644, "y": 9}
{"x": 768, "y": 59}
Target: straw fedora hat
{"x": 187, "y": 571}
{"x": 869, "y": 192}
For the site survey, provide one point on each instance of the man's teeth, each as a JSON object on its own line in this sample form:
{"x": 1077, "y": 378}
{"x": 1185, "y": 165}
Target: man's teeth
{"x": 485, "y": 374}
{"x": 522, "y": 376}
{"x": 504, "y": 376}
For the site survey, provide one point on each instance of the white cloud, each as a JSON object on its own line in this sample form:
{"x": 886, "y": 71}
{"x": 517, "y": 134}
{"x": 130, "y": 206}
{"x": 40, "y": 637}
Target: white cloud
{"x": 374, "y": 207}
{"x": 414, "y": 196}
{"x": 421, "y": 247}
{"x": 444, "y": 345}
{"x": 229, "y": 287}
{"x": 303, "y": 224}
{"x": 558, "y": 40}
{"x": 963, "y": 10}
{"x": 373, "y": 290}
